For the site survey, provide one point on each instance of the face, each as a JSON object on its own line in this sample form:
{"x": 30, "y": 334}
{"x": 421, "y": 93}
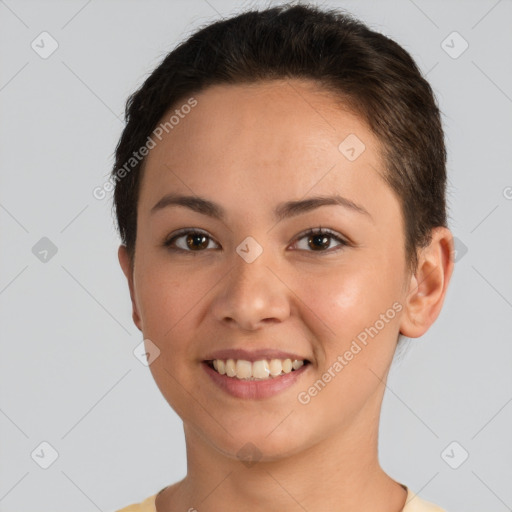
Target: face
{"x": 253, "y": 279}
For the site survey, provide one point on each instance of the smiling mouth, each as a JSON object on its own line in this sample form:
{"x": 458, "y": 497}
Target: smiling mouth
{"x": 263, "y": 369}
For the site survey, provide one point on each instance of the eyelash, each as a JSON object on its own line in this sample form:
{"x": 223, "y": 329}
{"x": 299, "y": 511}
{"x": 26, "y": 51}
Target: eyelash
{"x": 310, "y": 232}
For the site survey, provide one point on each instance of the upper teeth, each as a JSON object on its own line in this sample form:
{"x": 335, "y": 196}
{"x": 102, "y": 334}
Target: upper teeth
{"x": 262, "y": 369}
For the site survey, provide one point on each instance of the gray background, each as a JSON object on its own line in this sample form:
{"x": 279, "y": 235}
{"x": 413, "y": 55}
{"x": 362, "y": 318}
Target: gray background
{"x": 68, "y": 374}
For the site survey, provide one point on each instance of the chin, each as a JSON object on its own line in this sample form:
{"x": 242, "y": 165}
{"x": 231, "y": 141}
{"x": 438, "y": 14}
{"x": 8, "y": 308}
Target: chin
{"x": 260, "y": 443}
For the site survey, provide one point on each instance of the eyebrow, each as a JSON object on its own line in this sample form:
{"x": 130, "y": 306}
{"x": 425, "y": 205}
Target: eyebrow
{"x": 281, "y": 212}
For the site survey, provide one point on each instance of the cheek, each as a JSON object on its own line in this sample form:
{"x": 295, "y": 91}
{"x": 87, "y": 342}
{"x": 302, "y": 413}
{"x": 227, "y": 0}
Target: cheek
{"x": 356, "y": 303}
{"x": 167, "y": 298}
{"x": 354, "y": 354}
{"x": 167, "y": 290}
{"x": 170, "y": 299}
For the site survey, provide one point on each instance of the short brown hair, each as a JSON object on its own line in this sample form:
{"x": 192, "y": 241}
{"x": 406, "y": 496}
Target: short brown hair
{"x": 369, "y": 72}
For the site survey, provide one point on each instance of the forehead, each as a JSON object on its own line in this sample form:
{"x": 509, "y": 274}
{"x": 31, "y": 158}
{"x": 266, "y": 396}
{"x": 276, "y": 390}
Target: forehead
{"x": 268, "y": 140}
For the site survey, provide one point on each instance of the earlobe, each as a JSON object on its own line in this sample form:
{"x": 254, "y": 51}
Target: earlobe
{"x": 126, "y": 266}
{"x": 428, "y": 285}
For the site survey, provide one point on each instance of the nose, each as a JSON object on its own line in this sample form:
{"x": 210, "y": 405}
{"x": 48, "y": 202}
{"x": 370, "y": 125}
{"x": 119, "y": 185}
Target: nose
{"x": 251, "y": 295}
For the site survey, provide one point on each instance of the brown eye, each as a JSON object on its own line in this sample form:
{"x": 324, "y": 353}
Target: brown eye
{"x": 196, "y": 241}
{"x": 319, "y": 240}
{"x": 188, "y": 241}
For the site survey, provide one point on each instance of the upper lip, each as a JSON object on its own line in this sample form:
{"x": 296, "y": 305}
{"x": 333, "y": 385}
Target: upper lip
{"x": 253, "y": 355}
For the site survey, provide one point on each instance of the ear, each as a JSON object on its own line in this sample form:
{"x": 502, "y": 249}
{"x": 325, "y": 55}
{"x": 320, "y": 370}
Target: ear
{"x": 126, "y": 265}
{"x": 428, "y": 285}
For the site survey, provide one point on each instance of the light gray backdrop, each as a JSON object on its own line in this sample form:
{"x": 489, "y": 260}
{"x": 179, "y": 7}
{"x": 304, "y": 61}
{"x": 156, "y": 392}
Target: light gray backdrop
{"x": 68, "y": 375}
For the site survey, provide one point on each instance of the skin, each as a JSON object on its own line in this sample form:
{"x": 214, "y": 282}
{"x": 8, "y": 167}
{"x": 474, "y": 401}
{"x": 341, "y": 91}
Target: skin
{"x": 248, "y": 148}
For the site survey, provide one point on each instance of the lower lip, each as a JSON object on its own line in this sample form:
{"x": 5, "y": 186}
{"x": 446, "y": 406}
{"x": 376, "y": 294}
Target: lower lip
{"x": 254, "y": 389}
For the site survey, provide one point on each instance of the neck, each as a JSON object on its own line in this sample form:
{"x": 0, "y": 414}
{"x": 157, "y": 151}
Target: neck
{"x": 340, "y": 473}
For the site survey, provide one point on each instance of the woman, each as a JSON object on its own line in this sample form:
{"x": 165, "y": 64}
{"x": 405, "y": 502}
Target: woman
{"x": 280, "y": 195}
